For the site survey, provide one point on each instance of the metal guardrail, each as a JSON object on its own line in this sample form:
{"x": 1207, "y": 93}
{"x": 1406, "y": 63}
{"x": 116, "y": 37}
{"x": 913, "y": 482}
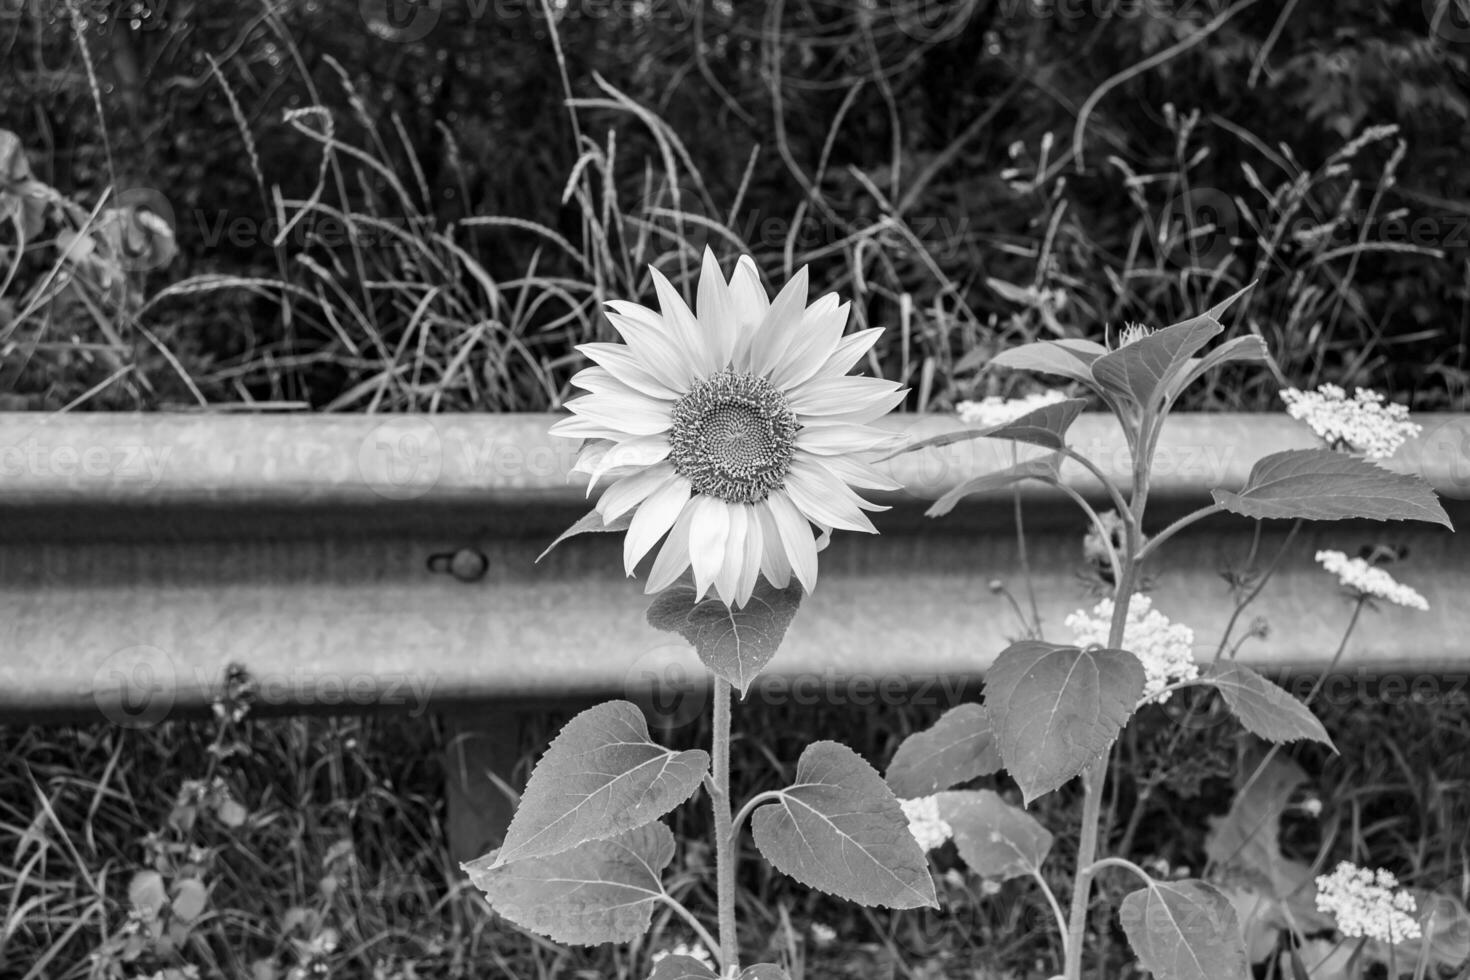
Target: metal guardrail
{"x": 357, "y": 561}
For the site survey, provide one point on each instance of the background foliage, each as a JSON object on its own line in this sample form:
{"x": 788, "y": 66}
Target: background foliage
{"x": 923, "y": 155}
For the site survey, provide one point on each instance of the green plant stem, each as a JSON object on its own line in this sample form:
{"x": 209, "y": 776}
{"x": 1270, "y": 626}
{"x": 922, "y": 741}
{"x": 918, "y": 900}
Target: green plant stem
{"x": 1125, "y": 864}
{"x": 700, "y": 931}
{"x": 1056, "y": 909}
{"x": 724, "y": 825}
{"x": 1176, "y": 527}
{"x": 1094, "y": 777}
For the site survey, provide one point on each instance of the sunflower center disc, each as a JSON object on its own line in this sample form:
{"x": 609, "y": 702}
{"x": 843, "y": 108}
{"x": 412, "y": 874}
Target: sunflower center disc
{"x": 733, "y": 437}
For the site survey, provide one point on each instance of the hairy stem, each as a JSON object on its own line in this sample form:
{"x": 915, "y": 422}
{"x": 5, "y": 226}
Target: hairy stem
{"x": 724, "y": 845}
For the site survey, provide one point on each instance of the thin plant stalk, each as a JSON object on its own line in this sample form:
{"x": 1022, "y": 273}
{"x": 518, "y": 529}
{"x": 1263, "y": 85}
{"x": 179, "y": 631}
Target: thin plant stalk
{"x": 724, "y": 826}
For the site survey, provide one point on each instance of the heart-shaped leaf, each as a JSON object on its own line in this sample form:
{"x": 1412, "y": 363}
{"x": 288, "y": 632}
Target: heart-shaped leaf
{"x": 602, "y": 891}
{"x": 736, "y": 644}
{"x": 1322, "y": 485}
{"x": 1068, "y": 358}
{"x": 957, "y": 747}
{"x": 688, "y": 968}
{"x": 839, "y": 828}
{"x": 601, "y": 776}
{"x": 1185, "y": 930}
{"x": 1262, "y": 706}
{"x": 1056, "y": 708}
{"x": 588, "y": 523}
{"x": 1045, "y": 468}
{"x": 996, "y": 840}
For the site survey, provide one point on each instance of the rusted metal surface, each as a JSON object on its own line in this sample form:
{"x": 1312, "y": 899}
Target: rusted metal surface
{"x": 355, "y": 562}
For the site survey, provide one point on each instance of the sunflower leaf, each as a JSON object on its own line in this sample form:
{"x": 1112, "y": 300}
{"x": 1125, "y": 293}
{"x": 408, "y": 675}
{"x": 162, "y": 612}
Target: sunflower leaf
{"x": 601, "y": 776}
{"x": 957, "y": 747}
{"x": 1263, "y": 707}
{"x": 1185, "y": 930}
{"x": 1323, "y": 485}
{"x": 1045, "y": 468}
{"x": 1068, "y": 358}
{"x": 1057, "y": 708}
{"x": 735, "y": 644}
{"x": 587, "y": 523}
{"x": 839, "y": 828}
{"x": 600, "y": 891}
{"x": 1045, "y": 427}
{"x": 997, "y": 840}
{"x": 688, "y": 968}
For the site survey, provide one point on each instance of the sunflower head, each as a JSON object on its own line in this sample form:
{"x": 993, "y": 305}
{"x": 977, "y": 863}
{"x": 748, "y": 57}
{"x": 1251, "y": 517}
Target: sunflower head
{"x": 732, "y": 432}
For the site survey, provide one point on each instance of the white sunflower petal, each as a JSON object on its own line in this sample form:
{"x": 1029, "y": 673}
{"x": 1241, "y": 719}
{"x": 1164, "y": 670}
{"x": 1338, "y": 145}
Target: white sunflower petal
{"x": 816, "y": 339}
{"x": 654, "y": 518}
{"x": 856, "y": 473}
{"x": 673, "y": 557}
{"x": 848, "y": 397}
{"x": 732, "y": 564}
{"x": 774, "y": 564}
{"x": 749, "y": 296}
{"x": 621, "y": 362}
{"x": 718, "y": 319}
{"x": 637, "y": 415}
{"x": 637, "y": 452}
{"x": 796, "y": 539}
{"x": 707, "y": 535}
{"x": 576, "y": 427}
{"x": 787, "y": 309}
{"x": 680, "y": 319}
{"x": 631, "y": 491}
{"x": 813, "y": 496}
{"x": 850, "y": 350}
{"x": 841, "y": 439}
{"x": 750, "y": 570}
{"x": 654, "y": 351}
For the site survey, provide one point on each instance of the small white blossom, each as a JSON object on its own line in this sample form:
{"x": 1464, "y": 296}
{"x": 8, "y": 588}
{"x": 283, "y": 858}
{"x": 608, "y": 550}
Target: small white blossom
{"x": 1368, "y": 903}
{"x": 990, "y": 887}
{"x": 928, "y": 827}
{"x": 1362, "y": 424}
{"x": 994, "y": 410}
{"x": 692, "y": 950}
{"x": 823, "y": 934}
{"x": 1164, "y": 648}
{"x": 1370, "y": 580}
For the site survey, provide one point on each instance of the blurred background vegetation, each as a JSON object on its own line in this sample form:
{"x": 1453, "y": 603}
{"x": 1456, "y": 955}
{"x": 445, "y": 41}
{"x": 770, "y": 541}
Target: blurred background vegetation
{"x": 378, "y": 205}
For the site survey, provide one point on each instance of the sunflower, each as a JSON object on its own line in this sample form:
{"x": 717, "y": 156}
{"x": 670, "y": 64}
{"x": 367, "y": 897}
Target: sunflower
{"x": 730, "y": 432}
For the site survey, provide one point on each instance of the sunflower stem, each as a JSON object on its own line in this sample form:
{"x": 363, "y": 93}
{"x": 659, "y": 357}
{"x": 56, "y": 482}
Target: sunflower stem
{"x": 724, "y": 824}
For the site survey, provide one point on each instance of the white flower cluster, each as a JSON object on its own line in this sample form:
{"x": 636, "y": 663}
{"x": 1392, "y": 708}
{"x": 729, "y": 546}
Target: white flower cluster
{"x": 692, "y": 950}
{"x": 1366, "y": 579}
{"x": 928, "y": 827}
{"x": 1362, "y": 424}
{"x": 994, "y": 410}
{"x": 1164, "y": 648}
{"x": 1368, "y": 903}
